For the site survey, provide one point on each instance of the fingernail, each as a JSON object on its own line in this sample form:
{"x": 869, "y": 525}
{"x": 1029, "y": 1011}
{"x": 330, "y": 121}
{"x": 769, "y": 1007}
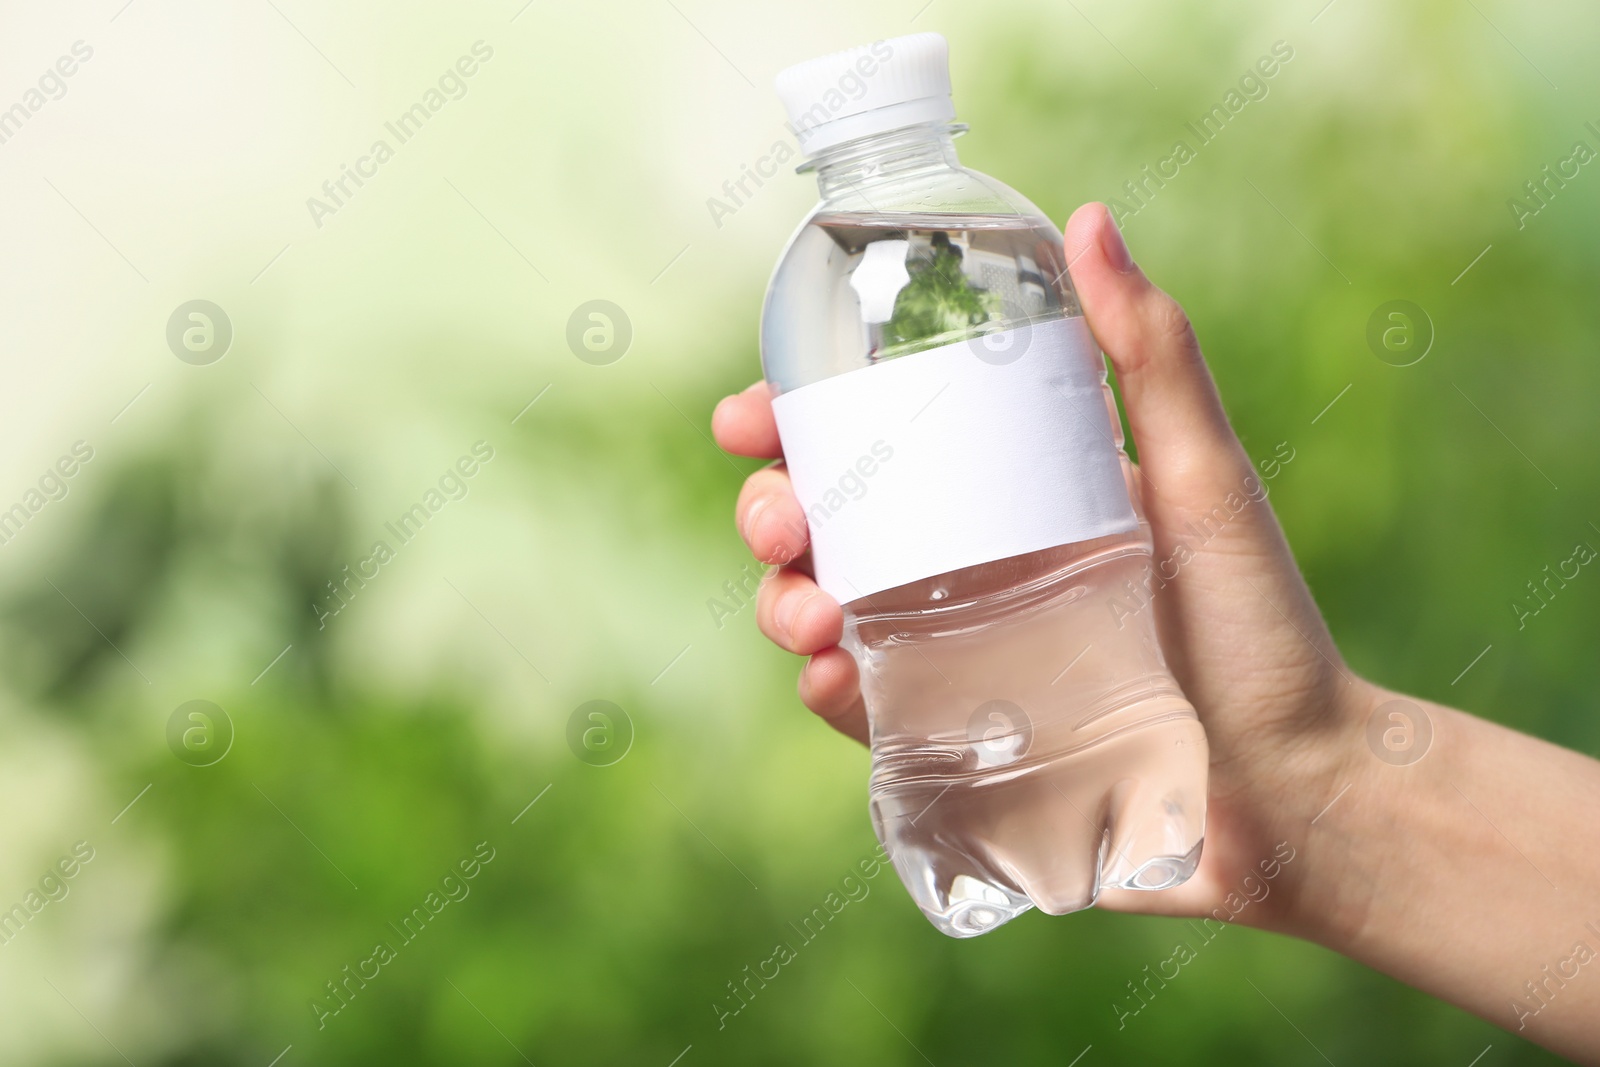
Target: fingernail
{"x": 751, "y": 516}
{"x": 789, "y": 609}
{"x": 1115, "y": 248}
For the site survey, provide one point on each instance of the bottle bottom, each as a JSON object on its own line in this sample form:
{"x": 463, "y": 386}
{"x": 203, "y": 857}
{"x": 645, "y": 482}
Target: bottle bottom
{"x": 978, "y": 847}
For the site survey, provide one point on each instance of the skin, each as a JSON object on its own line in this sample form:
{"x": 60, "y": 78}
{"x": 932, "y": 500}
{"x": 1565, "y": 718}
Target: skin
{"x": 1466, "y": 873}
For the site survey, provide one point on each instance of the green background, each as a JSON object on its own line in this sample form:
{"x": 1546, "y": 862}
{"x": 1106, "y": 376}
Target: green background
{"x": 432, "y": 307}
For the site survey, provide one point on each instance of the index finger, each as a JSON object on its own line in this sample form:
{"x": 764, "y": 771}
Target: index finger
{"x": 744, "y": 425}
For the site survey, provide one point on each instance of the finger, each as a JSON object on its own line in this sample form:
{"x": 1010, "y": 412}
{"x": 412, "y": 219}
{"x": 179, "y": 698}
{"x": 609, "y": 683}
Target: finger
{"x": 769, "y": 516}
{"x": 796, "y": 615}
{"x": 744, "y": 425}
{"x": 830, "y": 686}
{"x": 1173, "y": 409}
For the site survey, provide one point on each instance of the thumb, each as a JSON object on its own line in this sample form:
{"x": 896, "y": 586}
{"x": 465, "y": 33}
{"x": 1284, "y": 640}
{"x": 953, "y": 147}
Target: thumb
{"x": 1173, "y": 409}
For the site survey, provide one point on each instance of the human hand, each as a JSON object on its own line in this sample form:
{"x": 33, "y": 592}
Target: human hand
{"x": 1237, "y": 623}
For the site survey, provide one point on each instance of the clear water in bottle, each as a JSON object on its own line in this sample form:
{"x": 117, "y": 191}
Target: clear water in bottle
{"x": 1029, "y": 745}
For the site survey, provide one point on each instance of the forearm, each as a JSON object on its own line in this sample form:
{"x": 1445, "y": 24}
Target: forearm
{"x": 1472, "y": 873}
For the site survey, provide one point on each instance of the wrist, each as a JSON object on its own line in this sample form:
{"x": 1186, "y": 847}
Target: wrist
{"x": 1383, "y": 785}
{"x": 1324, "y": 772}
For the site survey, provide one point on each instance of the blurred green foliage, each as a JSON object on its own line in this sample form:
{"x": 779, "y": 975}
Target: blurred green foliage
{"x": 381, "y": 750}
{"x": 937, "y": 303}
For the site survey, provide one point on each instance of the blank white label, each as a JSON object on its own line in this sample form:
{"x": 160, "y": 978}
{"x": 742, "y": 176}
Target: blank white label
{"x": 953, "y": 457}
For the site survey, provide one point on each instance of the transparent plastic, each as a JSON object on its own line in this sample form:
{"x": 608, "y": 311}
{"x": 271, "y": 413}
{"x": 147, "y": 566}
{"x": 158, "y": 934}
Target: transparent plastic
{"x": 1029, "y": 745}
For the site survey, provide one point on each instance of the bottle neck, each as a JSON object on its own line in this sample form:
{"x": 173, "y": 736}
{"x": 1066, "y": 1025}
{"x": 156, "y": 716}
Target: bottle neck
{"x": 885, "y": 158}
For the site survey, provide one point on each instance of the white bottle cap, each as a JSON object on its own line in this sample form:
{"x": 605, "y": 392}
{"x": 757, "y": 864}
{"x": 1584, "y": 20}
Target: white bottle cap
{"x": 879, "y": 87}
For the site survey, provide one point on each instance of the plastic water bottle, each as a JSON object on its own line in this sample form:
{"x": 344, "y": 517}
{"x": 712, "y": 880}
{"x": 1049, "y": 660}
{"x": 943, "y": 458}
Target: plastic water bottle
{"x": 946, "y": 421}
